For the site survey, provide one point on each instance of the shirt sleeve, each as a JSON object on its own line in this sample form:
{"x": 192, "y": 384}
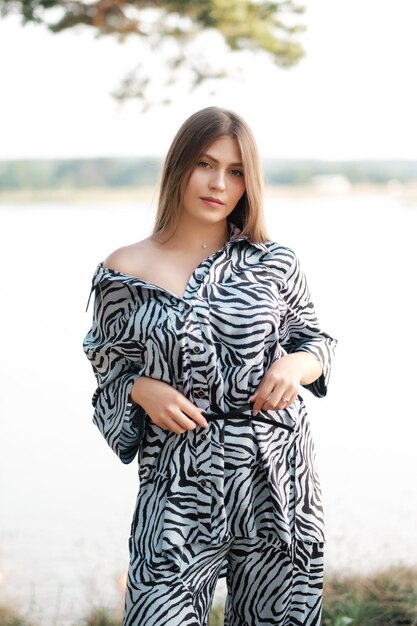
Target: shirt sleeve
{"x": 299, "y": 328}
{"x": 116, "y": 366}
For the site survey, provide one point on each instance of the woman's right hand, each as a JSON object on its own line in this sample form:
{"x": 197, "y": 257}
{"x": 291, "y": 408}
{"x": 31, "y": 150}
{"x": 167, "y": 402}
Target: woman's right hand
{"x": 167, "y": 407}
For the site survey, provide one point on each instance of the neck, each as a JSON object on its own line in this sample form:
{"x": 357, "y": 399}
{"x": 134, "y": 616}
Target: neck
{"x": 196, "y": 237}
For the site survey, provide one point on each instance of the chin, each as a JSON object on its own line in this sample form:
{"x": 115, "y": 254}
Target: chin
{"x": 212, "y": 216}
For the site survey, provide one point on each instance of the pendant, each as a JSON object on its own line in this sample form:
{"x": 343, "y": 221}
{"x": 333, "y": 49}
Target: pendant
{"x": 204, "y": 245}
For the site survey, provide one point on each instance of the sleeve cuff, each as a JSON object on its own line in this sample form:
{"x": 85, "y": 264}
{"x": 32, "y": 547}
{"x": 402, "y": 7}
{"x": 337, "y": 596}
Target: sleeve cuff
{"x": 120, "y": 420}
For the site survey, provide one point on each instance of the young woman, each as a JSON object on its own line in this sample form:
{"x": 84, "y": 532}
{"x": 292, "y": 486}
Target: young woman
{"x": 202, "y": 335}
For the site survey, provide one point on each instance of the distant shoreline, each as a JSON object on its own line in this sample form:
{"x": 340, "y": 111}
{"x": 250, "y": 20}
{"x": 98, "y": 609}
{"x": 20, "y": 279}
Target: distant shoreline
{"x": 405, "y": 192}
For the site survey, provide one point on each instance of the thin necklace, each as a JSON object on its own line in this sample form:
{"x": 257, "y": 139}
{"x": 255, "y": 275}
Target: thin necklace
{"x": 204, "y": 245}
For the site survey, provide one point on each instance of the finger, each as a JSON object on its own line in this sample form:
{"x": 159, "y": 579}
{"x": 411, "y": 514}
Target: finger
{"x": 267, "y": 396}
{"x": 176, "y": 427}
{"x": 177, "y": 423}
{"x": 283, "y": 401}
{"x": 261, "y": 399}
{"x": 294, "y": 397}
{"x": 166, "y": 424}
{"x": 287, "y": 398}
{"x": 175, "y": 419}
{"x": 274, "y": 402}
{"x": 183, "y": 421}
{"x": 279, "y": 397}
{"x": 257, "y": 405}
{"x": 258, "y": 400}
{"x": 194, "y": 413}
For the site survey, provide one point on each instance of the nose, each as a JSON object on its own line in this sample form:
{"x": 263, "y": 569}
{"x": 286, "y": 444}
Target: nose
{"x": 217, "y": 181}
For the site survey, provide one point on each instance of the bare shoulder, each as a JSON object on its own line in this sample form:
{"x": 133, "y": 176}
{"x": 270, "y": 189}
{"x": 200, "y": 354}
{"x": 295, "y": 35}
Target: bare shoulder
{"x": 130, "y": 259}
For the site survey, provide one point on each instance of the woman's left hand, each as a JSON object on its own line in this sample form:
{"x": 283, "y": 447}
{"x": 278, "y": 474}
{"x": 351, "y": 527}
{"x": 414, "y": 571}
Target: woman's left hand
{"x": 281, "y": 382}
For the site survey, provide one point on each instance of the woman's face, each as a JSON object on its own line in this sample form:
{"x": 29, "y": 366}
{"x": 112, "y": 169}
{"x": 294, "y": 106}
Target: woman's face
{"x": 216, "y": 183}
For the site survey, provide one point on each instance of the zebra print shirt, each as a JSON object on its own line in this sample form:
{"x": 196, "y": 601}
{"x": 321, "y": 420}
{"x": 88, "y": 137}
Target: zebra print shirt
{"x": 245, "y": 305}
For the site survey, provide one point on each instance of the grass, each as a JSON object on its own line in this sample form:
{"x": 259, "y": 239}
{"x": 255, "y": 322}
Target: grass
{"x": 101, "y": 617}
{"x": 10, "y": 617}
{"x": 385, "y": 598}
{"x": 216, "y": 617}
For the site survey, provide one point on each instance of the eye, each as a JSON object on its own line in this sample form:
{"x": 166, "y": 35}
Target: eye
{"x": 236, "y": 172}
{"x": 203, "y": 164}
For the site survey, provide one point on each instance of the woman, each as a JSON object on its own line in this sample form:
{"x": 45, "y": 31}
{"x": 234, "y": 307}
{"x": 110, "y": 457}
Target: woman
{"x": 202, "y": 335}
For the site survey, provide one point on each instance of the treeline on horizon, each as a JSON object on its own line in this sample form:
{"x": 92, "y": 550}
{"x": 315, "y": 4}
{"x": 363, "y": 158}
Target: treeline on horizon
{"x": 144, "y": 171}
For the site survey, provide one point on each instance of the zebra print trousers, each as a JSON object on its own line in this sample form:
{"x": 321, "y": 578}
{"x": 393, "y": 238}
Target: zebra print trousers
{"x": 268, "y": 584}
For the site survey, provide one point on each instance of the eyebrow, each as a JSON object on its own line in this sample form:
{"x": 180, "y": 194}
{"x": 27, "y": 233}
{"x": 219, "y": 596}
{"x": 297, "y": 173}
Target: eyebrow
{"x": 216, "y": 161}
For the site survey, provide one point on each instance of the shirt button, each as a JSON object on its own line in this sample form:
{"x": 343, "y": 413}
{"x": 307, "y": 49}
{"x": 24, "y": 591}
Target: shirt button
{"x": 200, "y": 393}
{"x": 203, "y": 483}
{"x": 199, "y": 277}
{"x": 196, "y": 349}
{"x": 203, "y": 437}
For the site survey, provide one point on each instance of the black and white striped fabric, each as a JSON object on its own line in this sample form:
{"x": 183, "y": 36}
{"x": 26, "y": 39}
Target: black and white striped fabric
{"x": 267, "y": 583}
{"x": 244, "y": 306}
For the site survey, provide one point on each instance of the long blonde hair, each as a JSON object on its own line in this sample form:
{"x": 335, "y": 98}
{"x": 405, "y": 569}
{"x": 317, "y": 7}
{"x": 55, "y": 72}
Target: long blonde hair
{"x": 196, "y": 134}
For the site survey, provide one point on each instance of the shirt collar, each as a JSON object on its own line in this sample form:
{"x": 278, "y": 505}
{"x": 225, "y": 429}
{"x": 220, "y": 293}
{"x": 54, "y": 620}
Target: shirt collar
{"x": 235, "y": 235}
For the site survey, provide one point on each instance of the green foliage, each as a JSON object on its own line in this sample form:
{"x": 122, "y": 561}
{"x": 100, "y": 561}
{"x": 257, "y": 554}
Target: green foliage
{"x": 137, "y": 172}
{"x": 300, "y": 171}
{"x": 387, "y": 598}
{"x": 78, "y": 173}
{"x": 101, "y": 617}
{"x": 217, "y": 616}
{"x": 257, "y": 25}
{"x": 10, "y": 617}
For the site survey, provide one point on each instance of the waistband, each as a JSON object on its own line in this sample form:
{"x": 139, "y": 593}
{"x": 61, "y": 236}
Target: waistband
{"x": 237, "y": 414}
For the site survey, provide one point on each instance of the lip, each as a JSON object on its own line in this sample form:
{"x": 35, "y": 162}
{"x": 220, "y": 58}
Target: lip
{"x": 212, "y": 201}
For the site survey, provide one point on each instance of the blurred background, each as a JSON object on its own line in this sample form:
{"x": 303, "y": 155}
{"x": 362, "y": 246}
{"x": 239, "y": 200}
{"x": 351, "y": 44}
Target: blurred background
{"x": 92, "y": 94}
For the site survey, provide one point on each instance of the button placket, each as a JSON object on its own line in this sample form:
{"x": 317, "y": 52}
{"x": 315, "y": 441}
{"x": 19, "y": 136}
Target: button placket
{"x": 196, "y": 357}
{"x": 204, "y": 488}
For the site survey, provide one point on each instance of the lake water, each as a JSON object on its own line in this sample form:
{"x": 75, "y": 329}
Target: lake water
{"x": 66, "y": 500}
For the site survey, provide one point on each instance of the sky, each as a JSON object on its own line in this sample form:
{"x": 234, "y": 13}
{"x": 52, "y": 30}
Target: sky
{"x": 352, "y": 97}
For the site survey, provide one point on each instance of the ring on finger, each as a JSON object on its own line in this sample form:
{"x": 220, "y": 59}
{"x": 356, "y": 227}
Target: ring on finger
{"x": 284, "y": 399}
